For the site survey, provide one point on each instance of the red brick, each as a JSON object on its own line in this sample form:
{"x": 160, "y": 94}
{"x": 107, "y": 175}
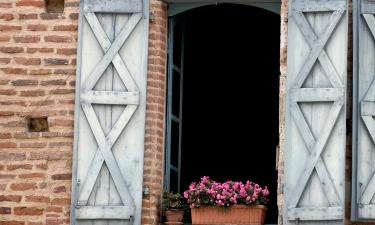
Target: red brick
{"x": 41, "y": 50}
{"x": 5, "y": 135}
{"x": 62, "y": 91}
{"x": 11, "y": 49}
{"x": 41, "y": 72}
{"x": 10, "y": 28}
{"x": 24, "y": 82}
{"x": 7, "y": 156}
{"x": 4, "y": 61}
{"x": 8, "y": 145}
{"x": 72, "y": 83}
{"x": 32, "y": 93}
{"x": 65, "y": 28}
{"x": 66, "y": 176}
{"x": 56, "y": 38}
{"x": 10, "y": 70}
{"x": 51, "y": 16}
{"x": 59, "y": 144}
{"x": 20, "y": 166}
{"x": 5, "y": 5}
{"x": 42, "y": 166}
{"x": 7, "y": 176}
{"x": 42, "y": 103}
{"x": 33, "y": 198}
{"x": 66, "y": 51}
{"x": 60, "y": 201}
{"x": 49, "y": 155}
{"x": 5, "y": 210}
{"x": 54, "y": 209}
{"x": 35, "y": 223}
{"x": 62, "y": 122}
{"x": 33, "y": 145}
{"x": 55, "y": 61}
{"x": 59, "y": 189}
{"x": 38, "y": 4}
{"x": 37, "y": 27}
{"x": 65, "y": 71}
{"x": 29, "y": 16}
{"x": 10, "y": 198}
{"x": 30, "y": 211}
{"x": 53, "y": 82}
{"x": 31, "y": 175}
{"x": 6, "y": 16}
{"x": 2, "y": 82}
{"x": 23, "y": 186}
{"x": 73, "y": 16}
{"x": 7, "y": 92}
{"x": 26, "y": 39}
{"x": 7, "y": 113}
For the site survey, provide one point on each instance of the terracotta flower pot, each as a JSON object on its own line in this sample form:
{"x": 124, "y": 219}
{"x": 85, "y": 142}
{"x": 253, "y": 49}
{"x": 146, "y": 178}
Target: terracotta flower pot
{"x": 174, "y": 217}
{"x": 237, "y": 214}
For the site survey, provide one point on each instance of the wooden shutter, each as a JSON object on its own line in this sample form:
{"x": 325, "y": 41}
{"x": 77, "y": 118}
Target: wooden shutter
{"x": 110, "y": 112}
{"x": 315, "y": 112}
{"x": 363, "y": 203}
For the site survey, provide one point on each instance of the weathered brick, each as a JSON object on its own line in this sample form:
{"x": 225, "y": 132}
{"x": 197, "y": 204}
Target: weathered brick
{"x": 36, "y": 3}
{"x": 8, "y": 156}
{"x": 65, "y": 71}
{"x": 12, "y": 70}
{"x": 11, "y": 49}
{"x": 65, "y": 176}
{"x": 5, "y": 5}
{"x": 10, "y": 198}
{"x": 4, "y": 38}
{"x": 30, "y": 211}
{"x": 24, "y": 82}
{"x": 65, "y": 28}
{"x": 7, "y": 176}
{"x": 10, "y": 28}
{"x": 41, "y": 50}
{"x": 53, "y": 82}
{"x": 66, "y": 51}
{"x": 5, "y": 210}
{"x": 33, "y": 145}
{"x": 26, "y": 39}
{"x": 32, "y": 93}
{"x": 31, "y": 175}
{"x": 4, "y": 61}
{"x": 49, "y": 155}
{"x": 23, "y": 186}
{"x": 6, "y": 16}
{"x": 2, "y": 82}
{"x": 62, "y": 91}
{"x": 7, "y": 113}
{"x": 42, "y": 103}
{"x": 73, "y": 16}
{"x": 55, "y": 61}
{"x": 37, "y": 27}
{"x": 8, "y": 145}
{"x": 8, "y": 92}
{"x": 59, "y": 189}
{"x": 62, "y": 122}
{"x": 40, "y": 72}
{"x": 5, "y": 135}
{"x": 59, "y": 144}
{"x": 60, "y": 201}
{"x": 57, "y": 38}
{"x": 28, "y": 16}
{"x": 20, "y": 166}
{"x": 42, "y": 166}
{"x": 33, "y": 198}
{"x": 51, "y": 16}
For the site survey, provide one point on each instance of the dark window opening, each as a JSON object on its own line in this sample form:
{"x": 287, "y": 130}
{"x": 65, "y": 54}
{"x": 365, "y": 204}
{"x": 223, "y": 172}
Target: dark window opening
{"x": 230, "y": 104}
{"x": 54, "y": 6}
{"x": 37, "y": 124}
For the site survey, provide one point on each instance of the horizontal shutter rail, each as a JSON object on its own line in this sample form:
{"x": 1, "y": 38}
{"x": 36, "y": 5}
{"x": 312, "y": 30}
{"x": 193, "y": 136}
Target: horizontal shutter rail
{"x": 367, "y": 6}
{"x": 113, "y": 6}
{"x": 104, "y": 212}
{"x": 316, "y": 94}
{"x": 110, "y": 97}
{"x": 318, "y": 6}
{"x": 316, "y": 213}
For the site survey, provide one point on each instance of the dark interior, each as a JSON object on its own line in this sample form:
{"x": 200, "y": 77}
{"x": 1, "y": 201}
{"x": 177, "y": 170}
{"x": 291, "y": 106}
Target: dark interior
{"x": 231, "y": 96}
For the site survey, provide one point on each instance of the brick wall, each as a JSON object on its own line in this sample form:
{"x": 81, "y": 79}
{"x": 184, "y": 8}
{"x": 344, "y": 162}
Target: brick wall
{"x": 155, "y": 112}
{"x": 37, "y": 78}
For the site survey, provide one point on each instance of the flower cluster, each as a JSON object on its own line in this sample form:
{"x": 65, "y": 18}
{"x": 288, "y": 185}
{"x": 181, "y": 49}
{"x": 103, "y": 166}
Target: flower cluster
{"x": 211, "y": 193}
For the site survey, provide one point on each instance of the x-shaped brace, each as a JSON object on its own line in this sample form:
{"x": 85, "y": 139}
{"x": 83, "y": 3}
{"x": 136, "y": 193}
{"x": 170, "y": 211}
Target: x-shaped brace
{"x": 336, "y": 94}
{"x": 131, "y": 99}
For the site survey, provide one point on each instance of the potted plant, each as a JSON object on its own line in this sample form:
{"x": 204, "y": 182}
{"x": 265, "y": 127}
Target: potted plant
{"x": 174, "y": 207}
{"x": 232, "y": 202}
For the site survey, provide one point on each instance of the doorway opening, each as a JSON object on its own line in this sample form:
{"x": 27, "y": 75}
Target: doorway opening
{"x": 223, "y": 98}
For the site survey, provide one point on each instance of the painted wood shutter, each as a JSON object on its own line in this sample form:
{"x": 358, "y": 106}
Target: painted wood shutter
{"x": 315, "y": 112}
{"x": 363, "y": 189}
{"x": 110, "y": 112}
